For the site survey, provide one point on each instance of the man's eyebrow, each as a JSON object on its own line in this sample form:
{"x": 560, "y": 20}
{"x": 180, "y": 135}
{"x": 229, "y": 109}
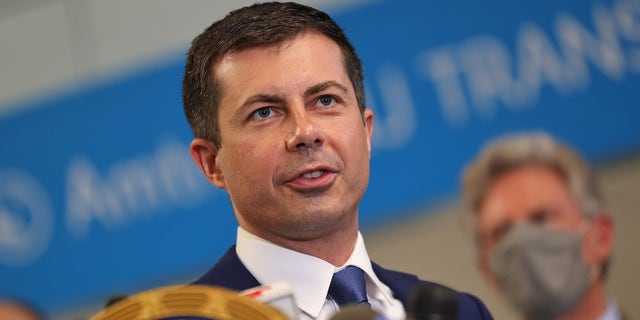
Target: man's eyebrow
{"x": 324, "y": 86}
{"x": 258, "y": 98}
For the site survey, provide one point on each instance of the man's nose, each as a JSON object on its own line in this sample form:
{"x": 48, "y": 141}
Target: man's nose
{"x": 304, "y": 132}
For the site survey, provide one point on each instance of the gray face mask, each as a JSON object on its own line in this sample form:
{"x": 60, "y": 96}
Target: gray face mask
{"x": 541, "y": 270}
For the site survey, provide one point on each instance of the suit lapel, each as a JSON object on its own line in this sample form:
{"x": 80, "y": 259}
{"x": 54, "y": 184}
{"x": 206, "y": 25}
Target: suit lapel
{"x": 229, "y": 273}
{"x": 400, "y": 283}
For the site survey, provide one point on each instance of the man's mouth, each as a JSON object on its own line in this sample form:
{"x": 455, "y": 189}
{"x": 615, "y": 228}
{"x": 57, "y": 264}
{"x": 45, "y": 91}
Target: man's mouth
{"x": 313, "y": 174}
{"x": 312, "y": 179}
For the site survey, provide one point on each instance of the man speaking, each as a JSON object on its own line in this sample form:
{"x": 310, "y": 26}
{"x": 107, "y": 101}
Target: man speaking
{"x": 274, "y": 95}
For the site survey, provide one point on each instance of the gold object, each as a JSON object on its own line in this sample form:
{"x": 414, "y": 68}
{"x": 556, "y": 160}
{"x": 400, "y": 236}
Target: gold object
{"x": 189, "y": 301}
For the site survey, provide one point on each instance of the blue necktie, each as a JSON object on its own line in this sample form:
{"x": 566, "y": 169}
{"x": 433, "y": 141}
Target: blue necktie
{"x": 348, "y": 286}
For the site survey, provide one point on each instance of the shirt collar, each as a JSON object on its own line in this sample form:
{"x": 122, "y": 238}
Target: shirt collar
{"x": 309, "y": 276}
{"x": 612, "y": 312}
{"x": 360, "y": 258}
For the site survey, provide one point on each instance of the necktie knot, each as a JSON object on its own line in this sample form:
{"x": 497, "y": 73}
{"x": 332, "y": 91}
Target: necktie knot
{"x": 348, "y": 286}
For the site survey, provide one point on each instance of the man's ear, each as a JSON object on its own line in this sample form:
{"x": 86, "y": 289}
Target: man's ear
{"x": 367, "y": 116}
{"x": 205, "y": 154}
{"x": 601, "y": 241}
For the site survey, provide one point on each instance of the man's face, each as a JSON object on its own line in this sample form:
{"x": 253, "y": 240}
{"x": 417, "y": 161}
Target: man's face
{"x": 295, "y": 150}
{"x": 534, "y": 194}
{"x": 531, "y": 193}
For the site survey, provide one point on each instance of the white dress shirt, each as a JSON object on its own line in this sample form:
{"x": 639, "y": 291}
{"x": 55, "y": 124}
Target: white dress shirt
{"x": 310, "y": 276}
{"x": 612, "y": 312}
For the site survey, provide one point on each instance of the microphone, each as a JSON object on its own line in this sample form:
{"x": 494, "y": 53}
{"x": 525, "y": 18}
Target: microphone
{"x": 357, "y": 312}
{"x": 278, "y": 295}
{"x": 182, "y": 302}
{"x": 432, "y": 302}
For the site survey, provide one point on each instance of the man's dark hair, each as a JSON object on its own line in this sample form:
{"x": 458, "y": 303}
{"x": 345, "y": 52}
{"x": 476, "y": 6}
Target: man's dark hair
{"x": 258, "y": 25}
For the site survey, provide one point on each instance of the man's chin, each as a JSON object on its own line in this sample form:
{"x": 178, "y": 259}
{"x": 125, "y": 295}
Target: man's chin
{"x": 314, "y": 226}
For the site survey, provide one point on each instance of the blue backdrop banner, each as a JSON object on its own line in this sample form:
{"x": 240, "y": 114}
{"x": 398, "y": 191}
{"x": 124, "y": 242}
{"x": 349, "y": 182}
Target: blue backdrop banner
{"x": 98, "y": 193}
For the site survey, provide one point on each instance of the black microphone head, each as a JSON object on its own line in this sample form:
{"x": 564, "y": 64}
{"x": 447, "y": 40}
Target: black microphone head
{"x": 432, "y": 302}
{"x": 356, "y": 312}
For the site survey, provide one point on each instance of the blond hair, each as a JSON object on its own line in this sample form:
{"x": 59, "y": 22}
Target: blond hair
{"x": 516, "y": 150}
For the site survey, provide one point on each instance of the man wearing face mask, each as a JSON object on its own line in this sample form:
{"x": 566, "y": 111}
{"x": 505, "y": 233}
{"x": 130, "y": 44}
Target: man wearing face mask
{"x": 544, "y": 237}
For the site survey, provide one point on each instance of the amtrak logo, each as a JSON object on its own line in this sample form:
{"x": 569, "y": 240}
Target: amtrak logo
{"x": 26, "y": 218}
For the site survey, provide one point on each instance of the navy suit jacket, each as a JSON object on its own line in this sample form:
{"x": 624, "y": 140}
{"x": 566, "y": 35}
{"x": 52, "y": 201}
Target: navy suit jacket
{"x": 230, "y": 273}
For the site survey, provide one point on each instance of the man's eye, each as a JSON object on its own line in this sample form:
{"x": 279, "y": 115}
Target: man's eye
{"x": 540, "y": 216}
{"x": 263, "y": 113}
{"x": 326, "y": 101}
